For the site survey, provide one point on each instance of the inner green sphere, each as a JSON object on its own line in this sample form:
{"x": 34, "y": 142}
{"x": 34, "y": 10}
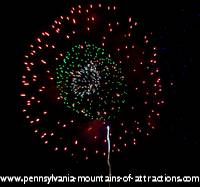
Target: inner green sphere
{"x": 90, "y": 82}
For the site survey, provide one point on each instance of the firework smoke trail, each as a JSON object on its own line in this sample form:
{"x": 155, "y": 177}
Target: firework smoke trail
{"x": 108, "y": 157}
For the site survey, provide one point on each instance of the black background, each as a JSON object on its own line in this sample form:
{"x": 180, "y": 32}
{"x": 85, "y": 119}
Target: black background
{"x": 175, "y": 147}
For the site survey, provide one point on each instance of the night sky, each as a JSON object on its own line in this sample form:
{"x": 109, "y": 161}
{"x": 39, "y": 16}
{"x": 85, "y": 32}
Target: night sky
{"x": 173, "y": 149}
